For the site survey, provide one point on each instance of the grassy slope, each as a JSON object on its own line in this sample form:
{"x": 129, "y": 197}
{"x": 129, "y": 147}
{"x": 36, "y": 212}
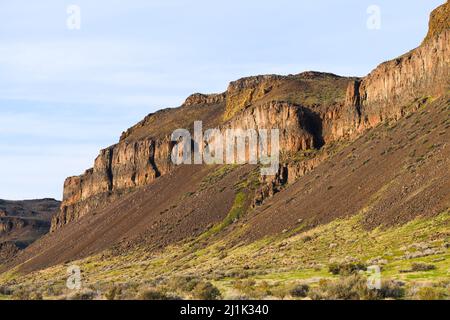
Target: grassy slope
{"x": 284, "y": 259}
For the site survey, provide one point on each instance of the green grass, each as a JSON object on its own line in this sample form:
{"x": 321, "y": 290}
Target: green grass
{"x": 235, "y": 213}
{"x": 282, "y": 260}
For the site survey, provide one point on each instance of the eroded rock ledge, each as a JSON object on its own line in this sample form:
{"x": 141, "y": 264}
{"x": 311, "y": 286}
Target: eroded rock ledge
{"x": 390, "y": 91}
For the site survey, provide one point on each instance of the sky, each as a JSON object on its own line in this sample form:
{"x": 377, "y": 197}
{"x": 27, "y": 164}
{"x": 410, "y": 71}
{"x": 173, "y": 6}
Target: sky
{"x": 65, "y": 93}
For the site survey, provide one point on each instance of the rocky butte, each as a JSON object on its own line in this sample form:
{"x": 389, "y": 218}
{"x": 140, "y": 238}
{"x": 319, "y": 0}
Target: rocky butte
{"x": 363, "y": 174}
{"x": 312, "y": 109}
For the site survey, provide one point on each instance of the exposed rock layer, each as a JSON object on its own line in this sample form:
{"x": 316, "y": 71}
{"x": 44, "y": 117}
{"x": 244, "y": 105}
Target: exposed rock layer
{"x": 439, "y": 21}
{"x": 393, "y": 89}
{"x": 23, "y": 222}
{"x": 208, "y": 99}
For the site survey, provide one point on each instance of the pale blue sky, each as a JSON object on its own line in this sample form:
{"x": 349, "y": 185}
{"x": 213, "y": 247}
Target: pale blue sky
{"x": 65, "y": 94}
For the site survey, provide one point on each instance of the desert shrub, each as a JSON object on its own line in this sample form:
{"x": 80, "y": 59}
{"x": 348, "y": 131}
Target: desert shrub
{"x": 21, "y": 294}
{"x": 217, "y": 275}
{"x": 6, "y": 291}
{"x": 390, "y": 290}
{"x": 353, "y": 287}
{"x": 113, "y": 293}
{"x": 85, "y": 294}
{"x": 125, "y": 291}
{"x": 429, "y": 293}
{"x": 130, "y": 288}
{"x": 206, "y": 291}
{"x": 154, "y": 294}
{"x": 55, "y": 290}
{"x": 280, "y": 291}
{"x": 439, "y": 290}
{"x": 420, "y": 266}
{"x": 186, "y": 284}
{"x": 263, "y": 289}
{"x": 346, "y": 268}
{"x": 300, "y": 291}
{"x": 251, "y": 289}
{"x": 36, "y": 296}
{"x": 317, "y": 293}
{"x": 238, "y": 274}
{"x": 242, "y": 285}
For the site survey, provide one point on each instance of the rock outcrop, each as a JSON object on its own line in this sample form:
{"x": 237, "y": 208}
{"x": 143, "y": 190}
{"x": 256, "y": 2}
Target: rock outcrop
{"x": 23, "y": 222}
{"x": 296, "y": 124}
{"x": 333, "y": 108}
{"x": 243, "y": 92}
{"x": 8, "y": 250}
{"x": 392, "y": 90}
{"x": 439, "y": 21}
{"x": 117, "y": 169}
{"x": 8, "y": 224}
{"x": 202, "y": 99}
{"x": 397, "y": 86}
{"x": 129, "y": 165}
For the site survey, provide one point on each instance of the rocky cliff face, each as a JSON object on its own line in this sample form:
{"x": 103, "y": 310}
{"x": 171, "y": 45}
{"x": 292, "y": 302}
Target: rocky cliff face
{"x": 204, "y": 99}
{"x": 244, "y": 92}
{"x": 132, "y": 164}
{"x": 22, "y": 222}
{"x": 396, "y": 86}
{"x": 439, "y": 21}
{"x": 135, "y": 163}
{"x": 296, "y": 124}
{"x": 393, "y": 89}
{"x": 310, "y": 109}
{"x": 117, "y": 169}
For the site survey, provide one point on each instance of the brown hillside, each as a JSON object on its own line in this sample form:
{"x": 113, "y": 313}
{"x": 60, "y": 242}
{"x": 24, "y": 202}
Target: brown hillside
{"x": 376, "y": 146}
{"x": 22, "y": 223}
{"x": 392, "y": 174}
{"x": 177, "y": 206}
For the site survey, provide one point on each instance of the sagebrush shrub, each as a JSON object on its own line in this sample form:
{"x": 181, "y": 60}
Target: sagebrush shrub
{"x": 420, "y": 266}
{"x": 300, "y": 291}
{"x": 346, "y": 268}
{"x": 206, "y": 291}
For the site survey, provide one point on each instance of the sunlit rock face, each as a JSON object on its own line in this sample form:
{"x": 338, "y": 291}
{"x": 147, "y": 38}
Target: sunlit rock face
{"x": 306, "y": 121}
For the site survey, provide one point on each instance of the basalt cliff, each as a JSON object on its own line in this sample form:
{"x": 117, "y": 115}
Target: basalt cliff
{"x": 312, "y": 110}
{"x": 363, "y": 175}
{"x": 22, "y": 223}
